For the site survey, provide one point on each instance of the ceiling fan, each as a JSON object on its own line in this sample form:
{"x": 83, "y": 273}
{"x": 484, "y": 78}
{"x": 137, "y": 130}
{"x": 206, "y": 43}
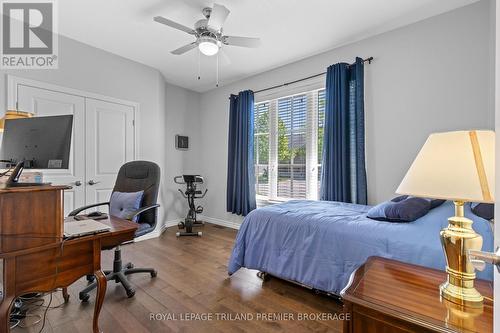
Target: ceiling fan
{"x": 208, "y": 32}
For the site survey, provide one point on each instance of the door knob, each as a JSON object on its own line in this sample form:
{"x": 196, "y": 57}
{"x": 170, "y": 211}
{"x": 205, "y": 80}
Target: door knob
{"x": 480, "y": 258}
{"x": 78, "y": 183}
{"x": 92, "y": 182}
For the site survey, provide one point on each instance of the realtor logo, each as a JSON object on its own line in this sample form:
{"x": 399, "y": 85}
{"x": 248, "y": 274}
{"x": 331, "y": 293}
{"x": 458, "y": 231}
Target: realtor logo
{"x": 29, "y": 37}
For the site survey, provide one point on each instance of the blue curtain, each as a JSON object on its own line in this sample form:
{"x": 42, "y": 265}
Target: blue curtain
{"x": 343, "y": 173}
{"x": 240, "y": 164}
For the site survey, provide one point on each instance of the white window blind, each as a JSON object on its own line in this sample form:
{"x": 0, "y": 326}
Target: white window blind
{"x": 321, "y": 123}
{"x": 261, "y": 149}
{"x": 288, "y": 139}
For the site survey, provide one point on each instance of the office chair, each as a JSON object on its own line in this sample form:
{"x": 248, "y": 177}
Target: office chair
{"x": 132, "y": 177}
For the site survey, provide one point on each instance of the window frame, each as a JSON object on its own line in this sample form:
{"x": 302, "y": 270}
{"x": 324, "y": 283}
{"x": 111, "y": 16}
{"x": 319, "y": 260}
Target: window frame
{"x": 311, "y": 90}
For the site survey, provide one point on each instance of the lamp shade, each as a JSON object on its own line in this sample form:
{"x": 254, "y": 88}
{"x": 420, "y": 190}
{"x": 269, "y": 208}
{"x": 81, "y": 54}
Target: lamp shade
{"x": 13, "y": 114}
{"x": 457, "y": 166}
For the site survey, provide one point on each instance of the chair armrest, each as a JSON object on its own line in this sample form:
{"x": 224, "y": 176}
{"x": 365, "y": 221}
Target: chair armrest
{"x": 78, "y": 210}
{"x": 142, "y": 210}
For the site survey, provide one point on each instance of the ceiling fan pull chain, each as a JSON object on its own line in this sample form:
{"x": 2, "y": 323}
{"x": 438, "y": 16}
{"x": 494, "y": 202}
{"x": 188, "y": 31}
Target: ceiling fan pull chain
{"x": 199, "y": 64}
{"x": 217, "y": 78}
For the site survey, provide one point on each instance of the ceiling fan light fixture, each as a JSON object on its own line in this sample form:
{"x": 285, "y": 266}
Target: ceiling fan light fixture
{"x": 208, "y": 46}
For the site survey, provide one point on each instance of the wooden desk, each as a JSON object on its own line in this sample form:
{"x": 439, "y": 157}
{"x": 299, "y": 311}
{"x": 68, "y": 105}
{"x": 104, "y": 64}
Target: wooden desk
{"x": 34, "y": 269}
{"x": 390, "y": 296}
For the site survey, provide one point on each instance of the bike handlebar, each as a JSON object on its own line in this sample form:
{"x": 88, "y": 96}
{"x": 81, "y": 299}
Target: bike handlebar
{"x": 178, "y": 182}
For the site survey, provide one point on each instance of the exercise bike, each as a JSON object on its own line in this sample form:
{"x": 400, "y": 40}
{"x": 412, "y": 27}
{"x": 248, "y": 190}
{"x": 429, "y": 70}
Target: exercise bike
{"x": 191, "y": 193}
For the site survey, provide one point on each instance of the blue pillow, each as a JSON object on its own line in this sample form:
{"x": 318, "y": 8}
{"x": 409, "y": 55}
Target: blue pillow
{"x": 400, "y": 209}
{"x": 124, "y": 204}
{"x": 484, "y": 210}
{"x": 434, "y": 202}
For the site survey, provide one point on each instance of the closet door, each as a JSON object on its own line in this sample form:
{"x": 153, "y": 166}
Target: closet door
{"x": 109, "y": 144}
{"x": 43, "y": 102}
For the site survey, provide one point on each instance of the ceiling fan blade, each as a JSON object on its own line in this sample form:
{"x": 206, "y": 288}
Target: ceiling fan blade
{"x": 242, "y": 41}
{"x": 185, "y": 48}
{"x": 175, "y": 25}
{"x": 218, "y": 16}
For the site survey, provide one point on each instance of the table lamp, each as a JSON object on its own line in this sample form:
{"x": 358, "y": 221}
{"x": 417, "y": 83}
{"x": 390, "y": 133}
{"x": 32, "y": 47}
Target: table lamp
{"x": 457, "y": 166}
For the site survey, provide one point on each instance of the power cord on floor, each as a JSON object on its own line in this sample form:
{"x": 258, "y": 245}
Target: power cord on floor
{"x": 14, "y": 323}
{"x": 53, "y": 284}
{"x": 30, "y": 304}
{"x": 15, "y": 319}
{"x": 45, "y": 314}
{"x": 17, "y": 322}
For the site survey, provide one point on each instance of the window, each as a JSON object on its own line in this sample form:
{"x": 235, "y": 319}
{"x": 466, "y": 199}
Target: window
{"x": 287, "y": 146}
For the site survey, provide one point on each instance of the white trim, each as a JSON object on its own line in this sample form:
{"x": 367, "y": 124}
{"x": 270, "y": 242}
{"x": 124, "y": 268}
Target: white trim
{"x": 265, "y": 201}
{"x": 272, "y": 179}
{"x": 157, "y": 233}
{"x": 174, "y": 223}
{"x": 312, "y": 130}
{"x": 311, "y": 141}
{"x": 224, "y": 223}
{"x": 13, "y": 81}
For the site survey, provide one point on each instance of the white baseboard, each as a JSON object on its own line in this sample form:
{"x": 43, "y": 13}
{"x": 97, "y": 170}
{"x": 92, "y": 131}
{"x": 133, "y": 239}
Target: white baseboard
{"x": 224, "y": 223}
{"x": 158, "y": 232}
{"x": 173, "y": 223}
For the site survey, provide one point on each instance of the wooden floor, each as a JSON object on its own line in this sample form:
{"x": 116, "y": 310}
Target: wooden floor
{"x": 192, "y": 278}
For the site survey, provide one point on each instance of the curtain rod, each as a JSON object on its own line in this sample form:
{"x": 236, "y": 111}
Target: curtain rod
{"x": 369, "y": 60}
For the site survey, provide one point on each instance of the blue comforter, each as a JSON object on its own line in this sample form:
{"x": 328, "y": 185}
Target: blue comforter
{"x": 320, "y": 243}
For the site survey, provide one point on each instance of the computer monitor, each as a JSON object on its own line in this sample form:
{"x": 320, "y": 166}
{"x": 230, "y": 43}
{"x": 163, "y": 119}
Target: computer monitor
{"x": 37, "y": 143}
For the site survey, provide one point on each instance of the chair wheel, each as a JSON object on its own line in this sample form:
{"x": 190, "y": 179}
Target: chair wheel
{"x": 129, "y": 265}
{"x": 154, "y": 274}
{"x": 181, "y": 225}
{"x": 90, "y": 278}
{"x": 84, "y": 297}
{"x": 130, "y": 293}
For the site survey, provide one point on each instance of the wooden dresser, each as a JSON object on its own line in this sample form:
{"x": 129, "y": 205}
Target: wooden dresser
{"x": 390, "y": 296}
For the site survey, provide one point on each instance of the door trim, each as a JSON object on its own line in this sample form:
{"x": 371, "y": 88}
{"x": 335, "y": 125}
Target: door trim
{"x": 13, "y": 81}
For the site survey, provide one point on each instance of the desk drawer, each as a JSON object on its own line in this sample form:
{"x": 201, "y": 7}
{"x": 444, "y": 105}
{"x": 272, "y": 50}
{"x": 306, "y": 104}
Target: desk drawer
{"x": 40, "y": 268}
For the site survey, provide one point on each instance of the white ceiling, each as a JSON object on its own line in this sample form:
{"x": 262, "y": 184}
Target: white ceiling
{"x": 290, "y": 30}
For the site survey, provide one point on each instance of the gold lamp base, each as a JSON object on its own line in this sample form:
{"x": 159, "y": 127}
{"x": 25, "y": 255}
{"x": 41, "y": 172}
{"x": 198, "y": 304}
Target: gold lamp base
{"x": 468, "y": 297}
{"x": 457, "y": 239}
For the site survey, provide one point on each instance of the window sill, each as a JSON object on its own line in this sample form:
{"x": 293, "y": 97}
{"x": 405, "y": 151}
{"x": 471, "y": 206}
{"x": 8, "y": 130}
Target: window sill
{"x": 263, "y": 201}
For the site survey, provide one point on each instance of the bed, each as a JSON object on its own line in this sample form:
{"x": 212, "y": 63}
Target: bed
{"x": 320, "y": 243}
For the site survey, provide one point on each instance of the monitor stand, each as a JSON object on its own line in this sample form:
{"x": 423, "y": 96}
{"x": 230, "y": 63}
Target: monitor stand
{"x": 13, "y": 180}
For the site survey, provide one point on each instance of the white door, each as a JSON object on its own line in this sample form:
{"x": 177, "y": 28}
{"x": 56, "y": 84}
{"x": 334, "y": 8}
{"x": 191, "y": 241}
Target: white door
{"x": 109, "y": 144}
{"x": 44, "y": 102}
